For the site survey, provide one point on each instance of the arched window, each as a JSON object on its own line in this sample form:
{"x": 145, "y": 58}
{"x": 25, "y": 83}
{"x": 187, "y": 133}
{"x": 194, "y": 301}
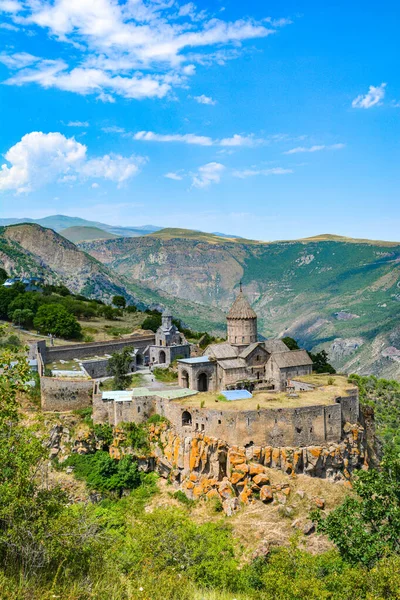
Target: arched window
{"x": 186, "y": 419}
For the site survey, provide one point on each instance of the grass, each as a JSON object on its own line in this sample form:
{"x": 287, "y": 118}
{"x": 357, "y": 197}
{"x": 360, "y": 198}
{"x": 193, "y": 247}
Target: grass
{"x": 165, "y": 375}
{"x": 324, "y": 394}
{"x": 136, "y": 381}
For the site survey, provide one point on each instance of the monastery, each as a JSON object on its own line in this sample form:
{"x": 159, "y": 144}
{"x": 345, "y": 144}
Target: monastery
{"x": 243, "y": 362}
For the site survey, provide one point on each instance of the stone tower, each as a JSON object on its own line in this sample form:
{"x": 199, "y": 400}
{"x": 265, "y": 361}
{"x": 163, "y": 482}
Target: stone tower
{"x": 166, "y": 319}
{"x": 241, "y": 322}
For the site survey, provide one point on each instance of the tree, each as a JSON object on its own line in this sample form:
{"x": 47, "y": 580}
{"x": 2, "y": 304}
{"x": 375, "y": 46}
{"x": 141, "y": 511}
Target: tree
{"x": 118, "y": 366}
{"x": 291, "y": 343}
{"x": 152, "y": 322}
{"x": 367, "y": 527}
{"x": 55, "y": 319}
{"x": 22, "y": 316}
{"x": 3, "y": 275}
{"x": 321, "y": 364}
{"x": 119, "y": 301}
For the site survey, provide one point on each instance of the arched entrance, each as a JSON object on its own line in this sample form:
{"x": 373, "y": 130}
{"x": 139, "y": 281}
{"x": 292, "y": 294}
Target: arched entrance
{"x": 162, "y": 359}
{"x": 139, "y": 360}
{"x": 186, "y": 418}
{"x": 185, "y": 379}
{"x": 202, "y": 382}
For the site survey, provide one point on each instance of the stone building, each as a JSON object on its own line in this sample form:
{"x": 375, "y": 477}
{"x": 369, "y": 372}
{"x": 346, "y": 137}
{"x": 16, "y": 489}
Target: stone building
{"x": 169, "y": 343}
{"x": 243, "y": 361}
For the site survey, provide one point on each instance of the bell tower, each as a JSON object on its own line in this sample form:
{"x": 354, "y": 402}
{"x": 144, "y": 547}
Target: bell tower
{"x": 241, "y": 322}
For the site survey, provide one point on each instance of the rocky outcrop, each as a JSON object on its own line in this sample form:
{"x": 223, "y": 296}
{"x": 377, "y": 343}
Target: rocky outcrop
{"x": 206, "y": 467}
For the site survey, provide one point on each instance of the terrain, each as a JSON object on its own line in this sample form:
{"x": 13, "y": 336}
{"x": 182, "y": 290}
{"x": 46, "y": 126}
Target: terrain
{"x": 332, "y": 293}
{"x": 85, "y": 234}
{"x": 328, "y": 292}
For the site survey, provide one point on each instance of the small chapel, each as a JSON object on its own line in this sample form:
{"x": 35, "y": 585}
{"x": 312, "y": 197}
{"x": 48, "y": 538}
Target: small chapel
{"x": 243, "y": 362}
{"x": 170, "y": 343}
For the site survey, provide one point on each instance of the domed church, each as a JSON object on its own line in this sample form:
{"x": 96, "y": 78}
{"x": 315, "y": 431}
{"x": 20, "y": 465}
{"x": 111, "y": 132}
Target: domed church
{"x": 243, "y": 362}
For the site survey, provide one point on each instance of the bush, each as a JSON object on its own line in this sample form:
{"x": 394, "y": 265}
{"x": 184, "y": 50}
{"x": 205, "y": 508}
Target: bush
{"x": 103, "y": 473}
{"x": 119, "y": 301}
{"x": 55, "y": 319}
{"x": 153, "y": 322}
{"x": 131, "y": 309}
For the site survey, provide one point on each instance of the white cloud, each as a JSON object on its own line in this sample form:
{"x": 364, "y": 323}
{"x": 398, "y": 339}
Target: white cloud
{"x": 9, "y": 27}
{"x": 55, "y": 74}
{"x": 114, "y": 39}
{"x": 240, "y": 140}
{"x": 10, "y": 6}
{"x": 302, "y": 149}
{"x": 243, "y": 174}
{"x": 203, "y": 99}
{"x": 95, "y": 185}
{"x": 78, "y": 124}
{"x": 113, "y": 129}
{"x": 374, "y": 97}
{"x": 174, "y": 176}
{"x": 188, "y": 138}
{"x": 19, "y": 60}
{"x": 41, "y": 158}
{"x": 208, "y": 174}
{"x": 201, "y": 140}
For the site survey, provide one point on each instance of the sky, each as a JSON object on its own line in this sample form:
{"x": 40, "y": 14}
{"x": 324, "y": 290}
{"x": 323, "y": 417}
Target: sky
{"x": 268, "y": 120}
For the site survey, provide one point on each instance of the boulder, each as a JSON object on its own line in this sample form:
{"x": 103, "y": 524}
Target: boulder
{"x": 266, "y": 494}
{"x": 308, "y": 528}
{"x": 230, "y": 505}
{"x": 261, "y": 479}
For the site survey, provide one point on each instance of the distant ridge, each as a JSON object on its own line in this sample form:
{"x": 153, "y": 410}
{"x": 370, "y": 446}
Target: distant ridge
{"x": 86, "y": 234}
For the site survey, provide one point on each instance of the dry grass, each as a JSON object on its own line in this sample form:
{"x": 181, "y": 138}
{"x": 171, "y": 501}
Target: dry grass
{"x": 258, "y": 522}
{"x": 101, "y": 329}
{"x": 323, "y": 394}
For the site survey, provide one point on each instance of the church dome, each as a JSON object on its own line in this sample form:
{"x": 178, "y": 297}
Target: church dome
{"x": 241, "y": 308}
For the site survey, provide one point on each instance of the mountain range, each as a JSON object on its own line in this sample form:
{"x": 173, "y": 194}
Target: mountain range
{"x": 328, "y": 292}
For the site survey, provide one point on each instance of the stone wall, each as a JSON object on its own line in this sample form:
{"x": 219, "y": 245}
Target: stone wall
{"x": 71, "y": 351}
{"x": 303, "y": 426}
{"x": 62, "y": 394}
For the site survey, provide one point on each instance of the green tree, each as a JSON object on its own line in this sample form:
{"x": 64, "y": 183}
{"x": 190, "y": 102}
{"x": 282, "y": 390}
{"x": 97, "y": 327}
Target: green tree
{"x": 55, "y": 319}
{"x": 321, "y": 364}
{"x": 3, "y": 275}
{"x": 291, "y": 343}
{"x": 119, "y": 301}
{"x": 118, "y": 366}
{"x": 22, "y": 316}
{"x": 366, "y": 527}
{"x": 152, "y": 322}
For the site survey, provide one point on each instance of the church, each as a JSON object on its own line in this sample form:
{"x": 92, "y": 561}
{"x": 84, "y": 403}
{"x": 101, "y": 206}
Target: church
{"x": 243, "y": 362}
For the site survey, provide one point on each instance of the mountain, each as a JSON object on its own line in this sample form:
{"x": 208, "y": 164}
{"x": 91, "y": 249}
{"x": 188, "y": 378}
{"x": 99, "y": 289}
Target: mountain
{"x": 335, "y": 294}
{"x": 60, "y": 222}
{"x": 29, "y": 249}
{"x": 85, "y": 234}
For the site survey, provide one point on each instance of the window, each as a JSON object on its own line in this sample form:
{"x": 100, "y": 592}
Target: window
{"x": 219, "y": 421}
{"x": 138, "y": 409}
{"x": 202, "y": 426}
{"x": 186, "y": 418}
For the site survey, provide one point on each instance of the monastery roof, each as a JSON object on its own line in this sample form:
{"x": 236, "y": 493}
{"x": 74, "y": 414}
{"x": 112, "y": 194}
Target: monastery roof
{"x": 275, "y": 346}
{"x": 232, "y": 363}
{"x": 195, "y": 360}
{"x": 241, "y": 309}
{"x": 247, "y": 351}
{"x": 221, "y": 351}
{"x": 292, "y": 358}
{"x": 167, "y": 313}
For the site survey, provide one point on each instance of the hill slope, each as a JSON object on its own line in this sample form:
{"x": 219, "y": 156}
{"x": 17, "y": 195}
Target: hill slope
{"x": 85, "y": 234}
{"x": 338, "y": 295}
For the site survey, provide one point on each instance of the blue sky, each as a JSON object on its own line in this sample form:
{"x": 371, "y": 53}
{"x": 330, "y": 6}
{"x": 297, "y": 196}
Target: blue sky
{"x": 264, "y": 119}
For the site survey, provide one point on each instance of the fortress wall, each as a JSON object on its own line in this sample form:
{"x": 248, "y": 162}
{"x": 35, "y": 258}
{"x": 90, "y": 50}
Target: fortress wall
{"x": 304, "y": 426}
{"x": 61, "y": 394}
{"x": 96, "y": 368}
{"x": 350, "y": 407}
{"x": 72, "y": 351}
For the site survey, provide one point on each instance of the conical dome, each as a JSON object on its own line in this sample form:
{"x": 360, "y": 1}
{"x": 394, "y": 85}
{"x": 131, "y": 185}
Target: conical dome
{"x": 241, "y": 308}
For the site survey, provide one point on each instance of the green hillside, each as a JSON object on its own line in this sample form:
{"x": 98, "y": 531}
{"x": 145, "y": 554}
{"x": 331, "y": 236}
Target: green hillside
{"x": 343, "y": 296}
{"x": 85, "y": 234}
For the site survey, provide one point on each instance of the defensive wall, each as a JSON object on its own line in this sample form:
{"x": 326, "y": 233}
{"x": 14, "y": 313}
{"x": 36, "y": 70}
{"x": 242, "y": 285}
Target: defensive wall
{"x": 60, "y": 393}
{"x": 302, "y": 426}
{"x": 71, "y": 351}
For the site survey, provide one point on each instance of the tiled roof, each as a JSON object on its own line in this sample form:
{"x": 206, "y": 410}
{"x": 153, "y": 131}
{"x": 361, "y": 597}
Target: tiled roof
{"x": 220, "y": 351}
{"x": 247, "y": 351}
{"x": 275, "y": 346}
{"x": 293, "y": 358}
{"x": 232, "y": 363}
{"x": 241, "y": 309}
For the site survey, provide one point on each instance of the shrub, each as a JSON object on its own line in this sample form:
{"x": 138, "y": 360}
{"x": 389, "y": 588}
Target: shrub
{"x": 103, "y": 473}
{"x": 119, "y": 301}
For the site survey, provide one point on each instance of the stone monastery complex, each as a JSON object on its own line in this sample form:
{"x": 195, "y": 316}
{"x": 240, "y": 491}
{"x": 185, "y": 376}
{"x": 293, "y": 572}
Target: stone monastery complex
{"x": 243, "y": 361}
